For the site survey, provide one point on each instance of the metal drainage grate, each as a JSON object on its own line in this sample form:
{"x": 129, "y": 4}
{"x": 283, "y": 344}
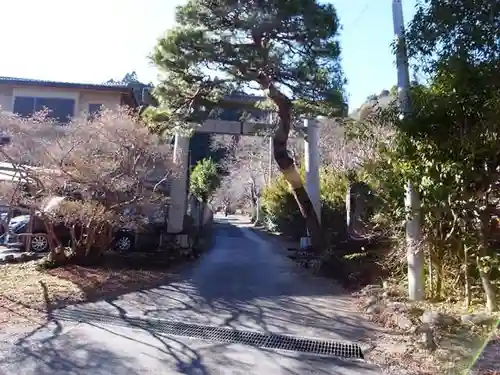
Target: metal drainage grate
{"x": 220, "y": 334}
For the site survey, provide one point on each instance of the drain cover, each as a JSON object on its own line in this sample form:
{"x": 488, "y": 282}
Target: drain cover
{"x": 220, "y": 334}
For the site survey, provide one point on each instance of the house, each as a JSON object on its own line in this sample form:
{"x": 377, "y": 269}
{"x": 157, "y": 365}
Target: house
{"x": 63, "y": 99}
{"x": 372, "y": 104}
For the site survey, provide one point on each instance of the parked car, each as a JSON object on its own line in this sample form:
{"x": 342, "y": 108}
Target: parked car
{"x": 124, "y": 236}
{"x": 5, "y": 139}
{"x": 124, "y": 240}
{"x": 141, "y": 234}
{"x": 19, "y": 225}
{"x": 4, "y": 215}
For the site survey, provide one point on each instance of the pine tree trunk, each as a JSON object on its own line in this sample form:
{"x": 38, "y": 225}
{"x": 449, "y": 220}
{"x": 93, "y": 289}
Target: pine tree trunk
{"x": 281, "y": 154}
{"x": 253, "y": 200}
{"x": 287, "y": 166}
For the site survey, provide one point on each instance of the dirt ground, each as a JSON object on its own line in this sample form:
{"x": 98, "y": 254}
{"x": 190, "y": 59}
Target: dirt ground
{"x": 401, "y": 353}
{"x": 28, "y": 294}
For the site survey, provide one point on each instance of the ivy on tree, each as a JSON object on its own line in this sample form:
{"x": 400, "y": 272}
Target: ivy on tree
{"x": 286, "y": 48}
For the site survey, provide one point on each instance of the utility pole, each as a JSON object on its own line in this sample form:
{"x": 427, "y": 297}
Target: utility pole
{"x": 270, "y": 162}
{"x": 415, "y": 257}
{"x": 271, "y": 156}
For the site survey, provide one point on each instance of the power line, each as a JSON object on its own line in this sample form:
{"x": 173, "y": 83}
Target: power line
{"x": 360, "y": 14}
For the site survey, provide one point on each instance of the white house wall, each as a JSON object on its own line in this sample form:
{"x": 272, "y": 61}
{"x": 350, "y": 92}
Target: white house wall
{"x": 110, "y": 100}
{"x": 6, "y": 98}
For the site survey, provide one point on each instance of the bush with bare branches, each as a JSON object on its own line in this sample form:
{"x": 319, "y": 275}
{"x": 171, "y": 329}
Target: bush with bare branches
{"x": 342, "y": 149}
{"x": 248, "y": 164}
{"x": 109, "y": 163}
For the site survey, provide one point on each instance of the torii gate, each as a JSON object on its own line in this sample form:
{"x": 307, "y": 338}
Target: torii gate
{"x": 179, "y": 188}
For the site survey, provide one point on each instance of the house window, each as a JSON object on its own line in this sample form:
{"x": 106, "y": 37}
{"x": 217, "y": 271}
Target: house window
{"x": 94, "y": 110}
{"x": 60, "y": 109}
{"x": 24, "y": 106}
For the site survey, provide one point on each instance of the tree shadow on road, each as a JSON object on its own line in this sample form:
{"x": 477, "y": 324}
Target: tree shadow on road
{"x": 270, "y": 297}
{"x": 52, "y": 353}
{"x": 47, "y": 349}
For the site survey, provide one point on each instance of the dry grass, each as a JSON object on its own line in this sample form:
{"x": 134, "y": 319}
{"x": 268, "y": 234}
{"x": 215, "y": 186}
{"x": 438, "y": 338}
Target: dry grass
{"x": 457, "y": 346}
{"x": 28, "y": 294}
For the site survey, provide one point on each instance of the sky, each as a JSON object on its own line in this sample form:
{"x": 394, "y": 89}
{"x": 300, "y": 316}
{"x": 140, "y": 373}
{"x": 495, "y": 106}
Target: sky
{"x": 96, "y": 40}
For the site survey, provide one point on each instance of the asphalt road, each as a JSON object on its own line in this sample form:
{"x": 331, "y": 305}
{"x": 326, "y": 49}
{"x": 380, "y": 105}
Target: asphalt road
{"x": 243, "y": 283}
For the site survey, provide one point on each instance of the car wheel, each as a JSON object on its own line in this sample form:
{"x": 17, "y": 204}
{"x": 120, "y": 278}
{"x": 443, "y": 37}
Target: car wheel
{"x": 124, "y": 242}
{"x": 39, "y": 243}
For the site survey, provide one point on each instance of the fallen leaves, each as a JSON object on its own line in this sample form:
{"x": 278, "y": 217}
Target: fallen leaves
{"x": 399, "y": 352}
{"x": 27, "y": 294}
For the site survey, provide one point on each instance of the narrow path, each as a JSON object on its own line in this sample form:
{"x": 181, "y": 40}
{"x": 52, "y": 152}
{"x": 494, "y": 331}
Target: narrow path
{"x": 242, "y": 283}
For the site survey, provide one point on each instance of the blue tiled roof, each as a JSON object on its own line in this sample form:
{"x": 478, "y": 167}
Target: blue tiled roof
{"x": 86, "y": 86}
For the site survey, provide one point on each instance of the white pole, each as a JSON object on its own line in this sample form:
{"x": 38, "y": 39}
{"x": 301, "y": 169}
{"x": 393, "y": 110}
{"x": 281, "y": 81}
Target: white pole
{"x": 270, "y": 162}
{"x": 270, "y": 151}
{"x": 415, "y": 257}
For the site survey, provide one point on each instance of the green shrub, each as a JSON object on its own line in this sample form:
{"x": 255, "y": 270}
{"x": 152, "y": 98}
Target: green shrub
{"x": 333, "y": 187}
{"x": 385, "y": 180}
{"x": 281, "y": 212}
{"x": 204, "y": 179}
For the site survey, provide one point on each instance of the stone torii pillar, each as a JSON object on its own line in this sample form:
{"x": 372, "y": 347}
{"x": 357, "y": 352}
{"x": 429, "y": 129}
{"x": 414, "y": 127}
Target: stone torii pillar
{"x": 179, "y": 188}
{"x": 312, "y": 163}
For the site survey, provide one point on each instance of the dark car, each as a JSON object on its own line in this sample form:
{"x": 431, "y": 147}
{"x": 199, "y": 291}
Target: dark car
{"x": 123, "y": 238}
{"x": 5, "y": 139}
{"x": 4, "y": 216}
{"x": 19, "y": 225}
{"x": 141, "y": 234}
